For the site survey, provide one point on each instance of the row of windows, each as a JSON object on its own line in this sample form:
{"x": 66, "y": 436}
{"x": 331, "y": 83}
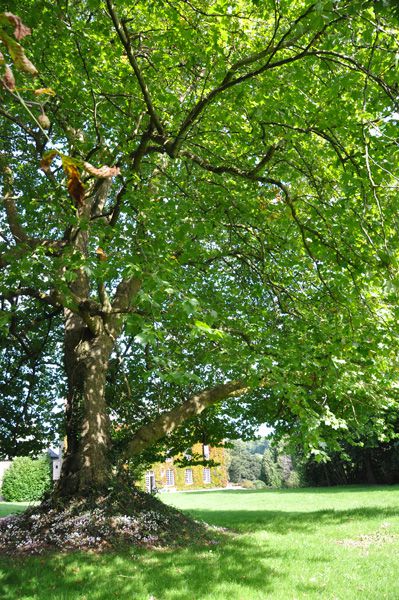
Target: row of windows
{"x": 170, "y": 477}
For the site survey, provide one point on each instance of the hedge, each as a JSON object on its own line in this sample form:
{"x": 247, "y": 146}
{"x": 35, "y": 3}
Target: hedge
{"x": 26, "y": 479}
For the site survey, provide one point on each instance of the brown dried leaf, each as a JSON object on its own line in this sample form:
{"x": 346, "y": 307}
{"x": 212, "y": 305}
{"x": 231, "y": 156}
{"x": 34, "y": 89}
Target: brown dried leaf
{"x": 101, "y": 254}
{"x": 102, "y": 172}
{"x": 8, "y": 80}
{"x": 22, "y": 62}
{"x": 17, "y": 53}
{"x": 75, "y": 186}
{"x": 20, "y": 30}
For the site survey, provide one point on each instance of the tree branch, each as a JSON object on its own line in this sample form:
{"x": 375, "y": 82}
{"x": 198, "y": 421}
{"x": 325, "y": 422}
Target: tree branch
{"x": 229, "y": 82}
{"x": 170, "y": 421}
{"x": 124, "y": 38}
{"x": 16, "y": 228}
{"x": 221, "y": 169}
{"x": 125, "y": 293}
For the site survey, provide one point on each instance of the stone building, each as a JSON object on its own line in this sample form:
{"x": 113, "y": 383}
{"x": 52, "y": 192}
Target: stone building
{"x": 169, "y": 476}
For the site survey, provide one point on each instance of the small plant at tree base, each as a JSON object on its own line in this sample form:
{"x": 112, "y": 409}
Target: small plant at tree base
{"x": 26, "y": 479}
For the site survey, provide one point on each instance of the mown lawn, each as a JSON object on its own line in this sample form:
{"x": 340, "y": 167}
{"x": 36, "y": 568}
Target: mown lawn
{"x": 8, "y": 508}
{"x": 335, "y": 544}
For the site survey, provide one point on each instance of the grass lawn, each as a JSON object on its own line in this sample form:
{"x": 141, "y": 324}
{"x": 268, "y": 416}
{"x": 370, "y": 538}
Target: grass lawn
{"x": 335, "y": 544}
{"x": 7, "y": 508}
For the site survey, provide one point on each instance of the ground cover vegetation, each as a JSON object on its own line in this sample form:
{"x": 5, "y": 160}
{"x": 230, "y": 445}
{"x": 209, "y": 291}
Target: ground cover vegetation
{"x": 200, "y": 225}
{"x": 308, "y": 544}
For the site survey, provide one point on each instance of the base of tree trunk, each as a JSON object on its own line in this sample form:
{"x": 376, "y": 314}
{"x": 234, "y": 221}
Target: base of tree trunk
{"x": 123, "y": 517}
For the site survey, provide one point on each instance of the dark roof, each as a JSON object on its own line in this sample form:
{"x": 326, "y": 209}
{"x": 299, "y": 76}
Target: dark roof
{"x": 53, "y": 455}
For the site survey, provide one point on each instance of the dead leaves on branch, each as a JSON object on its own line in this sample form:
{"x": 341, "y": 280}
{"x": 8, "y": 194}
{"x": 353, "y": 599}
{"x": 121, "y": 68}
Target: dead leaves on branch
{"x": 15, "y": 50}
{"x": 21, "y": 62}
{"x": 71, "y": 167}
{"x": 75, "y": 185}
{"x": 9, "y": 79}
{"x": 101, "y": 255}
{"x": 20, "y": 30}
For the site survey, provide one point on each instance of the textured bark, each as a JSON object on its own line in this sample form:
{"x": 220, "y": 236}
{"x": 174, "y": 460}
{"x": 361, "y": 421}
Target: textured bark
{"x": 86, "y": 465}
{"x": 87, "y": 346}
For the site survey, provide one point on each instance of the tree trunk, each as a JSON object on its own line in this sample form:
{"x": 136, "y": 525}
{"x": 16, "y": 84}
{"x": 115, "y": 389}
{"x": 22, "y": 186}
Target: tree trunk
{"x": 370, "y": 477}
{"x": 86, "y": 467}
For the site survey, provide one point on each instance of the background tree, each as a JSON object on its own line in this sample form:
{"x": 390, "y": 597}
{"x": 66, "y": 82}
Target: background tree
{"x": 280, "y": 468}
{"x": 234, "y": 251}
{"x": 30, "y": 417}
{"x": 243, "y": 464}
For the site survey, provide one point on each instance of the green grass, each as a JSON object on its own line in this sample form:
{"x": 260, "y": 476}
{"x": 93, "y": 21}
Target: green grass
{"x": 8, "y": 508}
{"x": 329, "y": 544}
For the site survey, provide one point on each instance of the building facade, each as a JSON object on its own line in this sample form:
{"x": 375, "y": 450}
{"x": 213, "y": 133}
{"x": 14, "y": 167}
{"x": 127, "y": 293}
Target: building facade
{"x": 169, "y": 476}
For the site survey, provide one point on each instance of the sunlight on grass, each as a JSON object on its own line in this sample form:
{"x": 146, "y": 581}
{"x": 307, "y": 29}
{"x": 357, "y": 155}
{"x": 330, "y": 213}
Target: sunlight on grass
{"x": 8, "y": 508}
{"x": 337, "y": 544}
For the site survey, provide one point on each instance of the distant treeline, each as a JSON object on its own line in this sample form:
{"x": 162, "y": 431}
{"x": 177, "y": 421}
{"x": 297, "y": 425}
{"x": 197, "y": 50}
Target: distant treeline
{"x": 264, "y": 462}
{"x": 355, "y": 464}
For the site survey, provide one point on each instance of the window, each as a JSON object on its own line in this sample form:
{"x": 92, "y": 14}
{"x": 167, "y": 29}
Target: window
{"x": 207, "y": 475}
{"x": 188, "y": 476}
{"x": 205, "y": 451}
{"x": 149, "y": 481}
{"x": 170, "y": 477}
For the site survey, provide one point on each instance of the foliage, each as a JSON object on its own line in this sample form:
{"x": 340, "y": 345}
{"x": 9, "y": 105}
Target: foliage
{"x": 259, "y": 484}
{"x": 270, "y": 471}
{"x": 29, "y": 356}
{"x": 26, "y": 479}
{"x": 279, "y": 469}
{"x": 247, "y": 484}
{"x": 248, "y": 245}
{"x": 243, "y": 465}
{"x": 366, "y": 461}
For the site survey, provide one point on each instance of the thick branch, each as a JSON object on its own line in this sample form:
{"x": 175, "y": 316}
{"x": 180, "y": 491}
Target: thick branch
{"x": 170, "y": 421}
{"x": 125, "y": 293}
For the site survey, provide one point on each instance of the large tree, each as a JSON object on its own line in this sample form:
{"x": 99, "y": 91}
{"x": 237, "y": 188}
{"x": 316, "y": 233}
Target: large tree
{"x": 232, "y": 254}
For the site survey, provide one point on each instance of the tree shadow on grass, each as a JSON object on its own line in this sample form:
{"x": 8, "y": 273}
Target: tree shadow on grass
{"x": 283, "y": 522}
{"x": 239, "y": 566}
{"x": 228, "y": 570}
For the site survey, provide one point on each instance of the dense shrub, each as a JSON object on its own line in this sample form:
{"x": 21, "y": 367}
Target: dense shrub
{"x": 259, "y": 485}
{"x": 26, "y": 479}
{"x": 247, "y": 484}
